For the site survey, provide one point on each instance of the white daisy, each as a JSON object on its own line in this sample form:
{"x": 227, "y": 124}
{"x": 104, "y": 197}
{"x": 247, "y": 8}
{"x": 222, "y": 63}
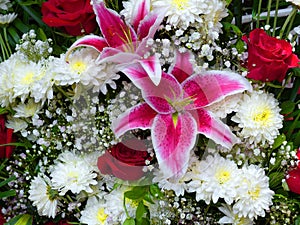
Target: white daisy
{"x": 254, "y": 194}
{"x": 181, "y": 13}
{"x": 94, "y": 212}
{"x": 16, "y": 124}
{"x": 231, "y": 218}
{"x": 295, "y": 2}
{"x": 7, "y": 18}
{"x": 258, "y": 116}
{"x": 43, "y": 196}
{"x": 73, "y": 173}
{"x": 215, "y": 178}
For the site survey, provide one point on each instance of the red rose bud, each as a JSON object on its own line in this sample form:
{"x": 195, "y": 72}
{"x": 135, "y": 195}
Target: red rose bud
{"x": 124, "y": 160}
{"x": 268, "y": 57}
{"x": 6, "y": 137}
{"x": 75, "y": 17}
{"x": 2, "y": 219}
{"x": 293, "y": 180}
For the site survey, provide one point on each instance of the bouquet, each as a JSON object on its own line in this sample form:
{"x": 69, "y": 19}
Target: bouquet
{"x": 149, "y": 112}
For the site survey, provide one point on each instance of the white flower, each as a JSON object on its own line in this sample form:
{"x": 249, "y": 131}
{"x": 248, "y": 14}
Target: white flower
{"x": 295, "y": 2}
{"x": 16, "y": 124}
{"x": 5, "y": 4}
{"x": 43, "y": 199}
{"x": 258, "y": 116}
{"x": 27, "y": 109}
{"x": 73, "y": 173}
{"x": 214, "y": 178}
{"x": 7, "y": 18}
{"x": 231, "y": 218}
{"x": 94, "y": 212}
{"x": 254, "y": 194}
{"x": 181, "y": 13}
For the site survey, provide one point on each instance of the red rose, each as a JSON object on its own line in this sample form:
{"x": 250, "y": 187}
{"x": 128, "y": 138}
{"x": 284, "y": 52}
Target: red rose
{"x": 2, "y": 219}
{"x": 268, "y": 57}
{"x": 293, "y": 180}
{"x": 6, "y": 137}
{"x": 76, "y": 17}
{"x": 124, "y": 160}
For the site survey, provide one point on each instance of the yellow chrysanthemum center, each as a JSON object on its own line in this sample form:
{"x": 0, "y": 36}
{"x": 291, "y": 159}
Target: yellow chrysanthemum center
{"x": 254, "y": 193}
{"x": 262, "y": 115}
{"x": 73, "y": 176}
{"x": 223, "y": 176}
{"x": 101, "y": 216}
{"x": 180, "y": 4}
{"x": 28, "y": 78}
{"x": 78, "y": 66}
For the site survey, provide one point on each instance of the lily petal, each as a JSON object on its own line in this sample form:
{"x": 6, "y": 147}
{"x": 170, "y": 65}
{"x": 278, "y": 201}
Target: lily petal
{"x": 113, "y": 28}
{"x": 182, "y": 68}
{"x": 152, "y": 67}
{"x": 173, "y": 142}
{"x": 139, "y": 116}
{"x": 213, "y": 86}
{"x": 213, "y": 128}
{"x": 91, "y": 40}
{"x": 118, "y": 56}
{"x": 140, "y": 9}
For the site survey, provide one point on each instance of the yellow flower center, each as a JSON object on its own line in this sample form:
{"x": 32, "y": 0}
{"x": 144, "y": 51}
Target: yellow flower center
{"x": 254, "y": 193}
{"x": 73, "y": 176}
{"x": 78, "y": 67}
{"x": 28, "y": 78}
{"x": 223, "y": 176}
{"x": 262, "y": 116}
{"x": 180, "y": 4}
{"x": 101, "y": 216}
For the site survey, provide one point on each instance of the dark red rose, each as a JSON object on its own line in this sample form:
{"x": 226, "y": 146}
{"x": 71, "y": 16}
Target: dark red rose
{"x": 2, "y": 219}
{"x": 62, "y": 222}
{"x": 268, "y": 57}
{"x": 6, "y": 137}
{"x": 76, "y": 17}
{"x": 124, "y": 160}
{"x": 293, "y": 180}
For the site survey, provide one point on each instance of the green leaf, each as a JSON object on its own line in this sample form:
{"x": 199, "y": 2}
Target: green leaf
{"x": 287, "y": 107}
{"x": 136, "y": 193}
{"x": 276, "y": 179}
{"x": 129, "y": 221}
{"x": 7, "y": 181}
{"x": 143, "y": 221}
{"x": 6, "y": 194}
{"x": 142, "y": 211}
{"x": 23, "y": 28}
{"x": 25, "y": 219}
{"x": 155, "y": 191}
{"x": 278, "y": 141}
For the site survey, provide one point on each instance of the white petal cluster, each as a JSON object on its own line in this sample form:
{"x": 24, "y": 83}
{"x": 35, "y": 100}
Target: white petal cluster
{"x": 295, "y": 2}
{"x": 40, "y": 195}
{"x": 72, "y": 173}
{"x": 258, "y": 115}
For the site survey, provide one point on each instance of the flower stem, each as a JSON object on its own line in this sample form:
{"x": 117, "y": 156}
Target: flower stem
{"x": 275, "y": 18}
{"x": 269, "y": 10}
{"x": 258, "y": 13}
{"x": 5, "y": 52}
{"x": 6, "y": 41}
{"x": 288, "y": 20}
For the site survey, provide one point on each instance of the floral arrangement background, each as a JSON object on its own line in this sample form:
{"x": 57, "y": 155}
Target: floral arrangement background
{"x": 149, "y": 112}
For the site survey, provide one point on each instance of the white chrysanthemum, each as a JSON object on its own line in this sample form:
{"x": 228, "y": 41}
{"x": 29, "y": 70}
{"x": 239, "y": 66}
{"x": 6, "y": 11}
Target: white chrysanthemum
{"x": 231, "y": 218}
{"x": 5, "y": 4}
{"x": 22, "y": 79}
{"x": 295, "y": 2}
{"x": 214, "y": 178}
{"x": 40, "y": 194}
{"x": 94, "y": 212}
{"x": 254, "y": 194}
{"x": 114, "y": 203}
{"x": 7, "y": 18}
{"x": 73, "y": 173}
{"x": 82, "y": 68}
{"x": 27, "y": 109}
{"x": 181, "y": 13}
{"x": 258, "y": 116}
{"x": 16, "y": 124}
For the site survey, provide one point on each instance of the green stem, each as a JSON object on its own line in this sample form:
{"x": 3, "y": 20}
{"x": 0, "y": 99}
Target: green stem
{"x": 6, "y": 40}
{"x": 258, "y": 13}
{"x": 275, "y": 18}
{"x": 269, "y": 10}
{"x": 291, "y": 23}
{"x": 4, "y": 49}
{"x": 288, "y": 19}
{"x": 292, "y": 127}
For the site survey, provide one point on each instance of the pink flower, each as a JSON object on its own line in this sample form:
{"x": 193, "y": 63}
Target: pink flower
{"x": 124, "y": 44}
{"x": 176, "y": 112}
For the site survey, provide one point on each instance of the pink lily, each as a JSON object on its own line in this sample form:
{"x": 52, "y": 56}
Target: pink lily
{"x": 124, "y": 44}
{"x": 176, "y": 112}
